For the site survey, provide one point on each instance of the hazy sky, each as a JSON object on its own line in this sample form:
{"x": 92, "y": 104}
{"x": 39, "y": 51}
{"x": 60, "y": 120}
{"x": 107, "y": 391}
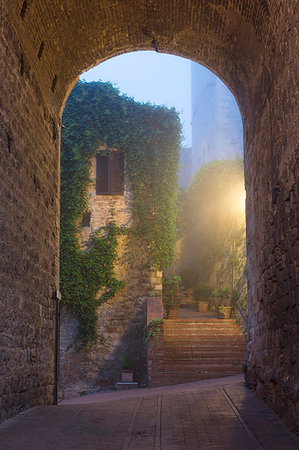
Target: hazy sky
{"x": 152, "y": 77}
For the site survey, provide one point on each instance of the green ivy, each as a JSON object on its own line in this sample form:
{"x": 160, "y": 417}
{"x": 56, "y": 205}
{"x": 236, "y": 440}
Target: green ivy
{"x": 97, "y": 115}
{"x": 152, "y": 329}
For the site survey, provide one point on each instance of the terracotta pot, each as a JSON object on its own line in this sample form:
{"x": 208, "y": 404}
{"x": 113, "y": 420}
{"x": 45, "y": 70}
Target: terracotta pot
{"x": 225, "y": 312}
{"x": 203, "y": 306}
{"x": 127, "y": 375}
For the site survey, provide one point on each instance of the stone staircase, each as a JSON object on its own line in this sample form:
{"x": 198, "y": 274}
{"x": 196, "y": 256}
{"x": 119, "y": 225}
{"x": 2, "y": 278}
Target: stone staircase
{"x": 192, "y": 350}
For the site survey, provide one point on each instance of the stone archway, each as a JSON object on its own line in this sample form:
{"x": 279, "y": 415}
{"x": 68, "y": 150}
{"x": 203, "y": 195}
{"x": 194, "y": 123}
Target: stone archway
{"x": 251, "y": 45}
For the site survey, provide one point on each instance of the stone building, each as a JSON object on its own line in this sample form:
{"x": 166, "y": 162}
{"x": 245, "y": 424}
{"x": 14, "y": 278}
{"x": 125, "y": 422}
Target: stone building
{"x": 217, "y": 131}
{"x": 122, "y": 319}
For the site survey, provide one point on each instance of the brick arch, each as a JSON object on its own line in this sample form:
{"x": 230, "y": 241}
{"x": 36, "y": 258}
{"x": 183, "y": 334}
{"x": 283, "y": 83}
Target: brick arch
{"x": 251, "y": 46}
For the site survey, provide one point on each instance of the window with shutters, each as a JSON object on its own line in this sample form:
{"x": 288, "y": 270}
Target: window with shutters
{"x": 110, "y": 174}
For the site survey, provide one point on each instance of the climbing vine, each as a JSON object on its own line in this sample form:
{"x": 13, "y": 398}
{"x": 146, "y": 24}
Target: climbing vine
{"x": 97, "y": 115}
{"x": 151, "y": 331}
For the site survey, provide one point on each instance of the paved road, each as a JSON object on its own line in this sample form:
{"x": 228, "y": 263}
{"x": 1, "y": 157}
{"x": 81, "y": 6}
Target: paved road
{"x": 214, "y": 414}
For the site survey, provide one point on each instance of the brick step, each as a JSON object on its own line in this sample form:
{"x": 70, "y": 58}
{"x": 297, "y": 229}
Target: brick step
{"x": 203, "y": 343}
{"x": 171, "y": 382}
{"x": 177, "y": 353}
{"x": 175, "y": 323}
{"x": 202, "y": 329}
{"x": 201, "y": 359}
{"x": 178, "y": 378}
{"x": 183, "y": 322}
{"x": 205, "y": 346}
{"x": 201, "y": 366}
{"x": 198, "y": 355}
{"x": 199, "y": 340}
{"x": 202, "y": 326}
{"x": 198, "y": 349}
{"x": 199, "y": 334}
{"x": 185, "y": 359}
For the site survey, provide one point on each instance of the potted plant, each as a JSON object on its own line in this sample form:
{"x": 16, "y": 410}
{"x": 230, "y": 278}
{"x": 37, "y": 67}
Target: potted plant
{"x": 171, "y": 292}
{"x": 201, "y": 294}
{"x": 127, "y": 370}
{"x": 224, "y": 309}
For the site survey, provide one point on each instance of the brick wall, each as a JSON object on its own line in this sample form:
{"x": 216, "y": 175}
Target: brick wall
{"x": 155, "y": 347}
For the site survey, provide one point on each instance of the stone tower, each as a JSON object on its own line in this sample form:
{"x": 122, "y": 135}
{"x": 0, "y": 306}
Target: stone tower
{"x": 216, "y": 121}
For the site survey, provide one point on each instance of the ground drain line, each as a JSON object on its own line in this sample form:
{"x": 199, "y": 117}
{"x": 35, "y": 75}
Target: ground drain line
{"x": 157, "y": 444}
{"x": 131, "y": 425}
{"x": 240, "y": 418}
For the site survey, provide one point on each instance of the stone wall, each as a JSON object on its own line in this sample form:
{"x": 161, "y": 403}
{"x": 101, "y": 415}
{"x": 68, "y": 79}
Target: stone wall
{"x": 120, "y": 320}
{"x": 29, "y": 230}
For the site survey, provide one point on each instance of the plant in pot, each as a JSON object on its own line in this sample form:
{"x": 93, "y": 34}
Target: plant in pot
{"x": 202, "y": 293}
{"x": 127, "y": 370}
{"x": 224, "y": 308}
{"x": 171, "y": 291}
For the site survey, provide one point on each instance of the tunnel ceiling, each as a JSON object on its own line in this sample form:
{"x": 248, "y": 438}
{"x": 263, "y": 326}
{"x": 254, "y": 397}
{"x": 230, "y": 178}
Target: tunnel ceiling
{"x": 66, "y": 37}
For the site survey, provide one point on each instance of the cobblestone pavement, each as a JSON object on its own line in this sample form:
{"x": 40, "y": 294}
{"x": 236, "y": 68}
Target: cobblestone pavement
{"x": 213, "y": 414}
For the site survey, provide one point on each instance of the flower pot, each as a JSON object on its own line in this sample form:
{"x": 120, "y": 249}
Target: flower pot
{"x": 225, "y": 312}
{"x": 203, "y": 306}
{"x": 127, "y": 375}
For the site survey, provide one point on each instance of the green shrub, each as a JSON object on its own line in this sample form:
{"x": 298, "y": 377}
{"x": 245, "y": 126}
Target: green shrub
{"x": 202, "y": 291}
{"x": 221, "y": 293}
{"x": 171, "y": 287}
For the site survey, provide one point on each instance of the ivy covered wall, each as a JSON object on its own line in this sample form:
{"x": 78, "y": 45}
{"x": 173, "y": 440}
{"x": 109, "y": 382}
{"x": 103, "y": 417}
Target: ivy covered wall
{"x": 107, "y": 272}
{"x": 97, "y": 115}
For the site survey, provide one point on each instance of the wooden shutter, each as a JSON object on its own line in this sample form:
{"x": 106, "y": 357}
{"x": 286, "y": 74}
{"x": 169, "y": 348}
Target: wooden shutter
{"x": 117, "y": 174}
{"x": 102, "y": 178}
{"x": 110, "y": 174}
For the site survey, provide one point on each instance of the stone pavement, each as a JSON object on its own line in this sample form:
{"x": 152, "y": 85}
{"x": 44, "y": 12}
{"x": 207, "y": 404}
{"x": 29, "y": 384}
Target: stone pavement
{"x": 213, "y": 414}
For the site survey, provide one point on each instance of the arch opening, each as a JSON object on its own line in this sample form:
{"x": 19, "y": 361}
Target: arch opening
{"x": 250, "y": 45}
{"x": 101, "y": 373}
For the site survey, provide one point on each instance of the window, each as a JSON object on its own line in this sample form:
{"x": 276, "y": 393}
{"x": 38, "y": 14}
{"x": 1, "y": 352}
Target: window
{"x": 110, "y": 174}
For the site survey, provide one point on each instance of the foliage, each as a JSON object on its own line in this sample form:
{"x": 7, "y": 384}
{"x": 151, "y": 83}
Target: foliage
{"x": 84, "y": 273}
{"x": 202, "y": 292}
{"x": 151, "y": 331}
{"x": 171, "y": 287}
{"x": 127, "y": 363}
{"x": 96, "y": 115}
{"x": 221, "y": 293}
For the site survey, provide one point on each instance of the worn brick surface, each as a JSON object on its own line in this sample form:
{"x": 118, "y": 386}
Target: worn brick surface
{"x": 219, "y": 415}
{"x": 253, "y": 46}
